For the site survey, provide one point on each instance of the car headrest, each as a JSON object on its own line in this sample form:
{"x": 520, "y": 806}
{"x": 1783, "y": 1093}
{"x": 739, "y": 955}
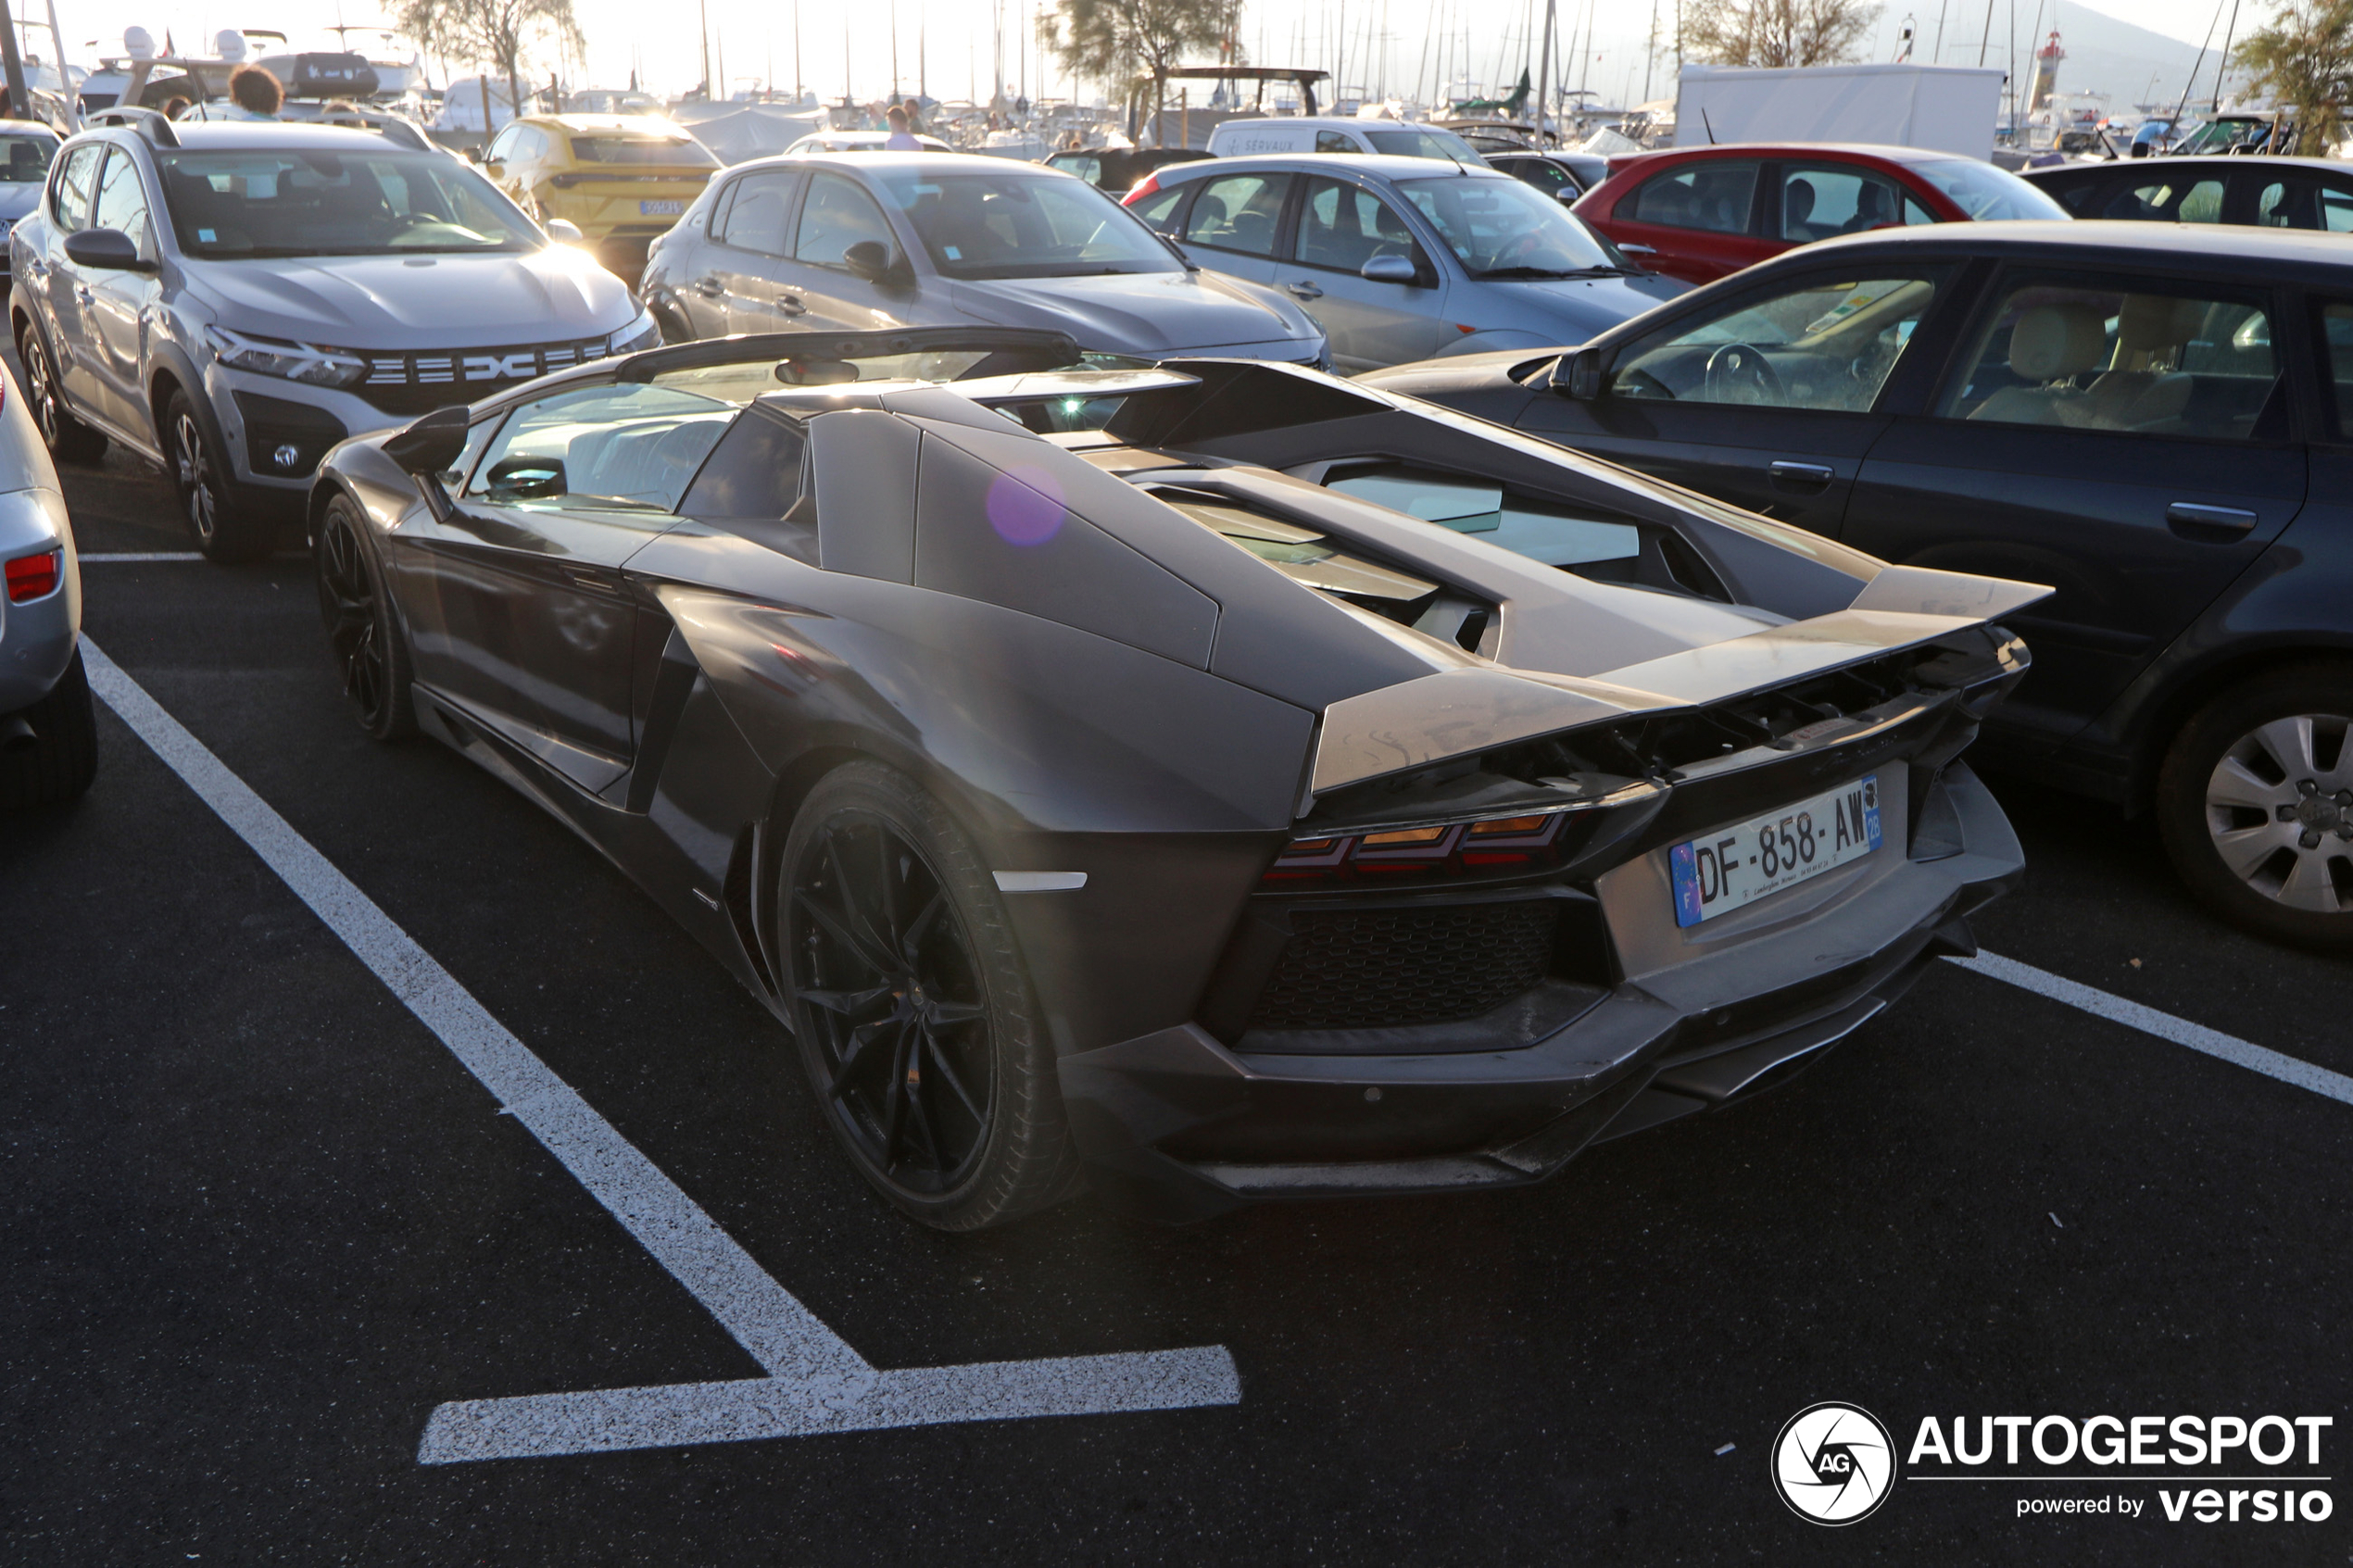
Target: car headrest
{"x": 2154, "y": 324}
{"x": 2055, "y": 341}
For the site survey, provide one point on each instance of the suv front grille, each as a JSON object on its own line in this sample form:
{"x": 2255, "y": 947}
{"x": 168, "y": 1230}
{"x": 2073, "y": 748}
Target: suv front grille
{"x": 414, "y": 383}
{"x": 1371, "y": 969}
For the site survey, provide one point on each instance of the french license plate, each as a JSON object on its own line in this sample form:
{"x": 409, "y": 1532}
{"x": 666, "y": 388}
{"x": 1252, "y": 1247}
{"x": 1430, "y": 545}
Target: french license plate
{"x": 660, "y": 210}
{"x": 1732, "y": 869}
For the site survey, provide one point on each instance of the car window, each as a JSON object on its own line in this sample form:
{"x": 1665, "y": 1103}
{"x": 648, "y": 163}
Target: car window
{"x": 27, "y": 158}
{"x": 834, "y": 215}
{"x": 672, "y": 151}
{"x": 72, "y": 200}
{"x": 627, "y": 446}
{"x": 1158, "y": 210}
{"x": 753, "y": 472}
{"x": 1399, "y": 141}
{"x": 1820, "y": 343}
{"x": 1984, "y": 193}
{"x": 1344, "y": 226}
{"x": 2336, "y": 335}
{"x": 1714, "y": 198}
{"x": 1822, "y": 199}
{"x": 2302, "y": 202}
{"x": 1542, "y": 173}
{"x": 762, "y": 206}
{"x": 1503, "y": 229}
{"x": 502, "y": 147}
{"x": 1238, "y": 212}
{"x": 1333, "y": 142}
{"x": 2176, "y": 200}
{"x": 2122, "y": 357}
{"x": 120, "y": 203}
{"x": 288, "y": 202}
{"x": 1004, "y": 223}
{"x": 1088, "y": 169}
{"x": 1540, "y": 531}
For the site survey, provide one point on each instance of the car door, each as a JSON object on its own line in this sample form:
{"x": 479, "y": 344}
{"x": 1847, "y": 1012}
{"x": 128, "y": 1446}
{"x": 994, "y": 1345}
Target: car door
{"x": 746, "y": 271}
{"x": 518, "y": 611}
{"x": 1695, "y": 220}
{"x": 1236, "y": 221}
{"x": 2126, "y": 438}
{"x": 1767, "y": 398}
{"x": 64, "y": 288}
{"x": 1340, "y": 225}
{"x": 836, "y": 213}
{"x": 116, "y": 302}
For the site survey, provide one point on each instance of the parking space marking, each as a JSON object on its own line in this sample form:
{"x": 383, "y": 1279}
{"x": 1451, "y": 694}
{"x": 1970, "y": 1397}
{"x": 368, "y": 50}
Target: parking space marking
{"x": 815, "y": 1382}
{"x": 112, "y": 557}
{"x": 2164, "y": 1025}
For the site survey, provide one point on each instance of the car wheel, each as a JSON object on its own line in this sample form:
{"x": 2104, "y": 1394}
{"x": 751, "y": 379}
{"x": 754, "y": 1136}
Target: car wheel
{"x": 56, "y": 762}
{"x": 202, "y": 479}
{"x": 911, "y": 1011}
{"x": 362, "y": 631}
{"x": 69, "y": 440}
{"x": 2255, "y": 804}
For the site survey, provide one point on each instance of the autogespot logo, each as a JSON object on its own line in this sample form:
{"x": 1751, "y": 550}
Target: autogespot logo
{"x": 1833, "y": 1463}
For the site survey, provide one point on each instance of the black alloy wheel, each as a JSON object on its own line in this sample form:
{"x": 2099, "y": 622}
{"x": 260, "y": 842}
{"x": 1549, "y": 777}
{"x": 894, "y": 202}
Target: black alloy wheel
{"x": 362, "y": 631}
{"x": 69, "y": 440}
{"x": 224, "y": 533}
{"x": 2255, "y": 805}
{"x": 913, "y": 1015}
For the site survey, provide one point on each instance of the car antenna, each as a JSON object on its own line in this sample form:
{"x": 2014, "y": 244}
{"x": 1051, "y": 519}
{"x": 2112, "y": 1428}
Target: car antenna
{"x": 1704, "y": 121}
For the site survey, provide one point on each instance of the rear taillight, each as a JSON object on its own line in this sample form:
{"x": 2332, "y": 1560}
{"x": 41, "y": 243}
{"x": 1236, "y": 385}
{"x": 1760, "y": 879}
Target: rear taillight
{"x": 1492, "y": 847}
{"x": 33, "y": 577}
{"x": 1148, "y": 185}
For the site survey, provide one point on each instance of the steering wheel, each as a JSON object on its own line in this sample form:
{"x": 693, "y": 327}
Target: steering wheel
{"x": 1515, "y": 248}
{"x": 1739, "y": 372}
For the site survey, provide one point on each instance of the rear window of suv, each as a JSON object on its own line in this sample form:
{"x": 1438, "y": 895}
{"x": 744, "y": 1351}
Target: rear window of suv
{"x": 672, "y": 151}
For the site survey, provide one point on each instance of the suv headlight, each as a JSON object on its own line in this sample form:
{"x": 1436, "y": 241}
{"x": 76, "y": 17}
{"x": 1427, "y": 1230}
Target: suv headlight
{"x": 643, "y": 333}
{"x": 295, "y": 361}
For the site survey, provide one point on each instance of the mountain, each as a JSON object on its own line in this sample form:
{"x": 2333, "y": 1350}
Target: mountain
{"x": 2105, "y": 54}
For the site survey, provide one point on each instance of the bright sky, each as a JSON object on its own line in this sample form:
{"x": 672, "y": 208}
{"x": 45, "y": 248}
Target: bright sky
{"x": 948, "y": 44}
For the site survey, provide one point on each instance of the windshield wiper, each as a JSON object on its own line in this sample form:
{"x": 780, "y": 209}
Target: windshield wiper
{"x": 1554, "y": 273}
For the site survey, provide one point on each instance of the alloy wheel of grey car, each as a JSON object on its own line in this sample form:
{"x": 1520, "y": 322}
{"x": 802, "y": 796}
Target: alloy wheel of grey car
{"x": 2256, "y": 804}
{"x": 914, "y": 1019}
{"x": 69, "y": 439}
{"x": 196, "y": 474}
{"x": 361, "y": 633}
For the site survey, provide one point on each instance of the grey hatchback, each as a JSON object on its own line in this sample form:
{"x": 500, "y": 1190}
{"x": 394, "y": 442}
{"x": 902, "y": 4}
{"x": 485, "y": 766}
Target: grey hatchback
{"x": 837, "y": 241}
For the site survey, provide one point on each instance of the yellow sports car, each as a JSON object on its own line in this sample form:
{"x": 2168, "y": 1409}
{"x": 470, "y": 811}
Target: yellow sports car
{"x": 623, "y": 179}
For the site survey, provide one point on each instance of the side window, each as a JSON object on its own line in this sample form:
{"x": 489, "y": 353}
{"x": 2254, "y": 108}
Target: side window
{"x": 121, "y": 203}
{"x": 2336, "y": 336}
{"x": 1341, "y": 226}
{"x": 834, "y": 215}
{"x": 1238, "y": 213}
{"x": 1821, "y": 343}
{"x": 762, "y": 207}
{"x": 753, "y": 472}
{"x": 1819, "y": 200}
{"x": 502, "y": 147}
{"x": 2167, "y": 201}
{"x": 1542, "y": 173}
{"x": 76, "y": 175}
{"x": 1714, "y": 198}
{"x": 609, "y": 448}
{"x": 725, "y": 199}
{"x": 1915, "y": 213}
{"x": 2302, "y": 202}
{"x": 2118, "y": 356}
{"x": 1333, "y": 142}
{"x": 1158, "y": 210}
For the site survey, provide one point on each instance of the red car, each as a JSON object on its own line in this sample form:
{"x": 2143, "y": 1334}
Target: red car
{"x": 1701, "y": 213}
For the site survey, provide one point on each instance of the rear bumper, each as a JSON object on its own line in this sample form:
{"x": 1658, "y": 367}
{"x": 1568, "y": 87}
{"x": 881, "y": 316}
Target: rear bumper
{"x": 1180, "y": 1126}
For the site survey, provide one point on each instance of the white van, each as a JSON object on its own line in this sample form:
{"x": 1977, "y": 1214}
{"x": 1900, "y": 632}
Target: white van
{"x": 1244, "y": 138}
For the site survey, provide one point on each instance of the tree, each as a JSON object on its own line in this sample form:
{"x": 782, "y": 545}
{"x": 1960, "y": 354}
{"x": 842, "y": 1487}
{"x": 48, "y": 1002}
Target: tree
{"x": 2304, "y": 60}
{"x": 496, "y": 30}
{"x": 1777, "y": 32}
{"x": 1132, "y": 44}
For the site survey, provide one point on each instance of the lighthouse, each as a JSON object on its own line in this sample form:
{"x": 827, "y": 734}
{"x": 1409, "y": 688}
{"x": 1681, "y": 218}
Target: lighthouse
{"x": 2045, "y": 77}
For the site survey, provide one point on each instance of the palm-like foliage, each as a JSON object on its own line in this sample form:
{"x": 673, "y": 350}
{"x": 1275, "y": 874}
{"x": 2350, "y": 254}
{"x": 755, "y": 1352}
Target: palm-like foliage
{"x": 496, "y": 30}
{"x": 1132, "y": 44}
{"x": 2304, "y": 60}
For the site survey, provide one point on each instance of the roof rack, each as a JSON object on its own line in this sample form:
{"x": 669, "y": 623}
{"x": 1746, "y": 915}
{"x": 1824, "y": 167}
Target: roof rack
{"x": 751, "y": 348}
{"x": 154, "y": 124}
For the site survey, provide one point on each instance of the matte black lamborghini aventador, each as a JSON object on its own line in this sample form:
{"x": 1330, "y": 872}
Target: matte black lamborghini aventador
{"x": 1213, "y": 779}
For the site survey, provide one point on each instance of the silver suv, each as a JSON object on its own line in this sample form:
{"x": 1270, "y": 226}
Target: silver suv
{"x": 231, "y": 300}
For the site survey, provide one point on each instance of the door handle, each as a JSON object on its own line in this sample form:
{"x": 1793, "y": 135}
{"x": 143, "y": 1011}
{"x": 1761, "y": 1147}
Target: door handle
{"x": 707, "y": 288}
{"x": 1632, "y": 249}
{"x": 791, "y": 305}
{"x": 82, "y": 292}
{"x": 2191, "y": 516}
{"x": 1815, "y": 475}
{"x": 1303, "y": 291}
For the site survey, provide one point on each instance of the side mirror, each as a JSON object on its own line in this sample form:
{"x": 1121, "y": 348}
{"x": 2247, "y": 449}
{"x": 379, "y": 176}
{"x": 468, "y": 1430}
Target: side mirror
{"x": 107, "y": 249}
{"x": 1388, "y": 270}
{"x": 431, "y": 445}
{"x": 1567, "y": 195}
{"x": 564, "y": 231}
{"x": 869, "y": 259}
{"x": 1578, "y": 374}
{"x": 473, "y": 155}
{"x": 521, "y": 478}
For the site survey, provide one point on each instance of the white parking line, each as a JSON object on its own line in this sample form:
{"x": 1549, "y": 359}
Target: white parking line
{"x": 815, "y": 1382}
{"x": 2164, "y": 1025}
{"x": 117, "y": 557}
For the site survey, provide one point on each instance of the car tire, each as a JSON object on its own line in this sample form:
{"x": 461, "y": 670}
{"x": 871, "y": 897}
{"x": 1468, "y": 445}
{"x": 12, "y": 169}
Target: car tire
{"x": 69, "y": 440}
{"x": 2255, "y": 806}
{"x": 363, "y": 631}
{"x": 200, "y": 476}
{"x": 58, "y": 762}
{"x": 913, "y": 1017}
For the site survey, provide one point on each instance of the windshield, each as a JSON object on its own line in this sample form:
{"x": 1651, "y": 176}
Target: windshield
{"x": 1985, "y": 193}
{"x": 1025, "y": 226}
{"x": 1420, "y": 142}
{"x": 277, "y": 202}
{"x": 1500, "y": 228}
{"x": 671, "y": 150}
{"x": 2221, "y": 135}
{"x": 28, "y": 160}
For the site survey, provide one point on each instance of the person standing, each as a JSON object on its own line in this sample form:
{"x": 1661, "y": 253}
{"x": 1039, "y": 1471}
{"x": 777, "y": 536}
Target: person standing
{"x": 900, "y": 140}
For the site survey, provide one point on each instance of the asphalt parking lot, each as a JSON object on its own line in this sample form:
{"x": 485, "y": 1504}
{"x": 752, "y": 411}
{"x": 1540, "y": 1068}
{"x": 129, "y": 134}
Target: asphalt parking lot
{"x": 261, "y": 1222}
